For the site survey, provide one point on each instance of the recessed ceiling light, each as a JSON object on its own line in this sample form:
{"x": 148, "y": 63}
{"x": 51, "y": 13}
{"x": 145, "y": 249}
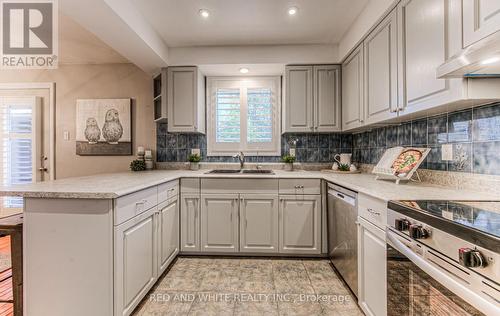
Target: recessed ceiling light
{"x": 204, "y": 13}
{"x": 491, "y": 60}
{"x": 292, "y": 10}
{"x": 244, "y": 70}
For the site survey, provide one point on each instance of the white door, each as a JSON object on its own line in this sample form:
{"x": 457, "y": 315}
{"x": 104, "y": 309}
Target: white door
{"x": 258, "y": 223}
{"x": 190, "y": 222}
{"x": 300, "y": 224}
{"x": 371, "y": 269}
{"x": 168, "y": 233}
{"x": 381, "y": 71}
{"x": 219, "y": 223}
{"x": 135, "y": 261}
{"x": 326, "y": 85}
{"x": 298, "y": 110}
{"x": 182, "y": 99}
{"x": 352, "y": 90}
{"x": 480, "y": 19}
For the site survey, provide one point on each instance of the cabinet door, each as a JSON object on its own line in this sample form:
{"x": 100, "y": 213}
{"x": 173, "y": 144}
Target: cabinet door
{"x": 300, "y": 224}
{"x": 326, "y": 85}
{"x": 190, "y": 222}
{"x": 298, "y": 110}
{"x": 480, "y": 19}
{"x": 135, "y": 261}
{"x": 381, "y": 71}
{"x": 371, "y": 269}
{"x": 423, "y": 48}
{"x": 258, "y": 223}
{"x": 352, "y": 90}
{"x": 168, "y": 233}
{"x": 219, "y": 223}
{"x": 182, "y": 99}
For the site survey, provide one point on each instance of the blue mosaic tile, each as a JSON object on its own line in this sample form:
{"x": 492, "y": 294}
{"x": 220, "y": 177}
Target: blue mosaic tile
{"x": 404, "y": 134}
{"x": 161, "y": 141}
{"x": 381, "y": 137}
{"x": 182, "y": 141}
{"x": 335, "y": 140}
{"x": 312, "y": 155}
{"x": 170, "y": 154}
{"x": 365, "y": 140}
{"x": 462, "y": 158}
{"x": 433, "y": 160}
{"x": 357, "y": 140}
{"x": 301, "y": 140}
{"x": 376, "y": 154}
{"x": 372, "y": 138}
{"x": 193, "y": 141}
{"x": 346, "y": 141}
{"x": 182, "y": 155}
{"x": 460, "y": 126}
{"x": 419, "y": 132}
{"x": 365, "y": 155}
{"x": 171, "y": 140}
{"x": 312, "y": 141}
{"x": 486, "y": 158}
{"x": 324, "y": 155}
{"x": 392, "y": 136}
{"x": 437, "y": 127}
{"x": 486, "y": 125}
{"x": 356, "y": 155}
{"x": 301, "y": 154}
{"x": 161, "y": 129}
{"x": 324, "y": 141}
{"x": 161, "y": 155}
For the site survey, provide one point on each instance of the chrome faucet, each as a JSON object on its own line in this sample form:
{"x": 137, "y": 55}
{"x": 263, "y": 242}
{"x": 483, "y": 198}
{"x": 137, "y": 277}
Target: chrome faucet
{"x": 241, "y": 158}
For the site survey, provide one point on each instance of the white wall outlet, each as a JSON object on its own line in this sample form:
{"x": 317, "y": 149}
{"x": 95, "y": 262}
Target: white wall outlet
{"x": 66, "y": 135}
{"x": 292, "y": 152}
{"x": 195, "y": 151}
{"x": 447, "y": 152}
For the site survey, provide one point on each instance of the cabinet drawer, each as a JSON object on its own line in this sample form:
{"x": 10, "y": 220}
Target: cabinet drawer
{"x": 167, "y": 190}
{"x": 136, "y": 203}
{"x": 373, "y": 210}
{"x": 300, "y": 186}
{"x": 190, "y": 185}
{"x": 215, "y": 186}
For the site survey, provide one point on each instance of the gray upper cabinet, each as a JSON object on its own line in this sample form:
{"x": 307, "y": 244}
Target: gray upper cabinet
{"x": 186, "y": 100}
{"x": 219, "y": 223}
{"x": 480, "y": 19}
{"x": 381, "y": 71}
{"x": 326, "y": 84}
{"x": 298, "y": 109}
{"x": 312, "y": 99}
{"x": 259, "y": 223}
{"x": 352, "y": 90}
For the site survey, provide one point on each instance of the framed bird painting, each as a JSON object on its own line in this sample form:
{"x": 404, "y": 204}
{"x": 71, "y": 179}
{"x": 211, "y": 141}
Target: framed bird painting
{"x": 103, "y": 127}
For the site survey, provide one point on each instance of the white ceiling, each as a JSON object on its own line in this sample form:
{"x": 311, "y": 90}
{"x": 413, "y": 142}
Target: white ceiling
{"x": 249, "y": 22}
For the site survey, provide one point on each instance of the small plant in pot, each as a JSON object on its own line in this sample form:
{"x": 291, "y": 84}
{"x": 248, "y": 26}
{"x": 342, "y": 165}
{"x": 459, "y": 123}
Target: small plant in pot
{"x": 194, "y": 161}
{"x": 288, "y": 160}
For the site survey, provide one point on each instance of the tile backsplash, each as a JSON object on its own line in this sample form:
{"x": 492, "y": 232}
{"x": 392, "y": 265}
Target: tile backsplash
{"x": 474, "y": 135}
{"x": 315, "y": 147}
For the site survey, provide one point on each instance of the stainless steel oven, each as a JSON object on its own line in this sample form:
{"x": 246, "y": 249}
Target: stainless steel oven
{"x": 431, "y": 271}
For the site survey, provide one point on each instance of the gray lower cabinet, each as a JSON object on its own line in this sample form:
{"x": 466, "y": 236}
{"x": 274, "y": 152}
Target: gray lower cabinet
{"x": 190, "y": 222}
{"x": 135, "y": 261}
{"x": 168, "y": 232}
{"x": 259, "y": 223}
{"x": 300, "y": 224}
{"x": 219, "y": 222}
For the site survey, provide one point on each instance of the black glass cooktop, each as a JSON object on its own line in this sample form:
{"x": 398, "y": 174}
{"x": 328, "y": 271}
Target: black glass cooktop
{"x": 473, "y": 219}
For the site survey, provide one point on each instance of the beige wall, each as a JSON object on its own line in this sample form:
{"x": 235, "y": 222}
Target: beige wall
{"x": 93, "y": 81}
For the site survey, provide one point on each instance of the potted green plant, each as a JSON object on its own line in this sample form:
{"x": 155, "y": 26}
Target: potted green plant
{"x": 138, "y": 165}
{"x": 288, "y": 160}
{"x": 194, "y": 161}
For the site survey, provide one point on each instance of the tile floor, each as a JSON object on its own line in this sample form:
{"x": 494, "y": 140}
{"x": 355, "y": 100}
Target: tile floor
{"x": 221, "y": 286}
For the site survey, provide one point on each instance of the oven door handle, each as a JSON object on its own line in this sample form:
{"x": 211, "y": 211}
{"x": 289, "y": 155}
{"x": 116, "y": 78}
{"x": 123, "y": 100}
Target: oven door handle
{"x": 485, "y": 306}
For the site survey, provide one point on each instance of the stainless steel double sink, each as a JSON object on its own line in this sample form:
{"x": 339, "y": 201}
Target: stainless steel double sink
{"x": 243, "y": 171}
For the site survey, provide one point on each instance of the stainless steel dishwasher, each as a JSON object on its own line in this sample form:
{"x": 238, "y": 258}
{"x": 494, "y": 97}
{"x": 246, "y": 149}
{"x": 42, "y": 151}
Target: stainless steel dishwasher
{"x": 343, "y": 233}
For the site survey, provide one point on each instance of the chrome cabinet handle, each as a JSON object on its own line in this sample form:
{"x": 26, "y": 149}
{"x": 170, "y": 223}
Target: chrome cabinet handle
{"x": 372, "y": 211}
{"x": 299, "y": 186}
{"x": 141, "y": 202}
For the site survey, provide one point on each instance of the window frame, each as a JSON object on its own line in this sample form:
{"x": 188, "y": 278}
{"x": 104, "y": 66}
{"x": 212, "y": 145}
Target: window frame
{"x": 243, "y": 83}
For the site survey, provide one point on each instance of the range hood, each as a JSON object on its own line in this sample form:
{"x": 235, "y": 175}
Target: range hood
{"x": 480, "y": 60}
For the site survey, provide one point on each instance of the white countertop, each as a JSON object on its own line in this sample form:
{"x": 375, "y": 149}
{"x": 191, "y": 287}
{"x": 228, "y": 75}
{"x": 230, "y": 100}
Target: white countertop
{"x": 110, "y": 186}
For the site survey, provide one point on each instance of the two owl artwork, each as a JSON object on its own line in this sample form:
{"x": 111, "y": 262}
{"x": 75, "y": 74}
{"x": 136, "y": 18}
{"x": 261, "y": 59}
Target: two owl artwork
{"x": 112, "y": 130}
{"x": 103, "y": 127}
